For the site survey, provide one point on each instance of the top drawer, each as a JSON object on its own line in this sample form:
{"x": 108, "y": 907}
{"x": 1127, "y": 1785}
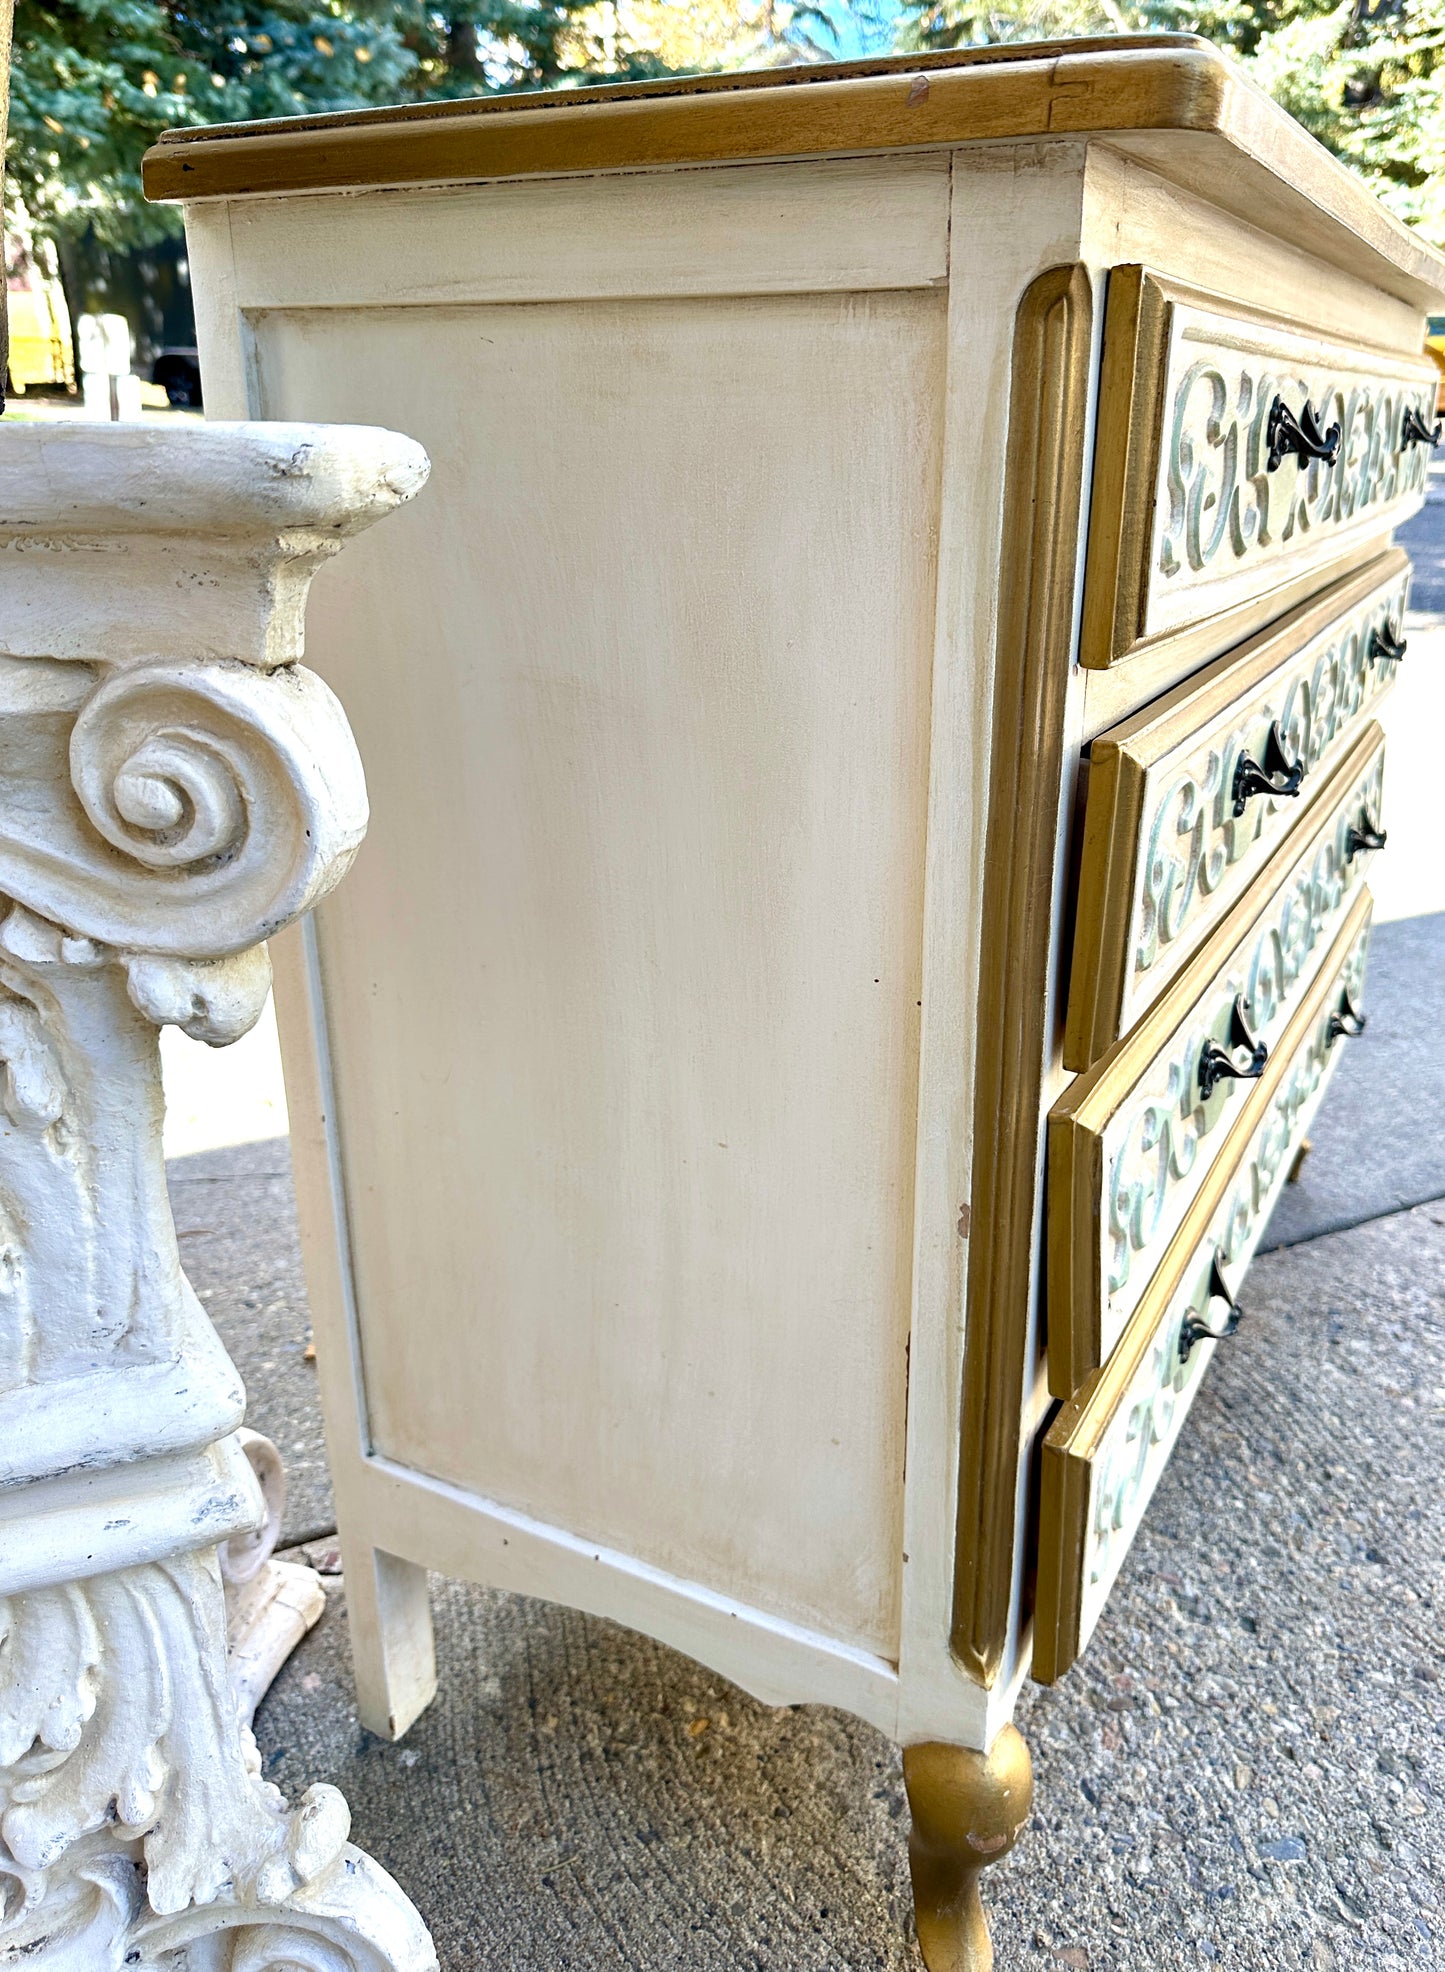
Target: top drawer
{"x": 1200, "y": 506}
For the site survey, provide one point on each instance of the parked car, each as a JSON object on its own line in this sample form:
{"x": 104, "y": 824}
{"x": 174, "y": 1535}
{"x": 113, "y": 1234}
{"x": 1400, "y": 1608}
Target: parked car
{"x": 178, "y": 371}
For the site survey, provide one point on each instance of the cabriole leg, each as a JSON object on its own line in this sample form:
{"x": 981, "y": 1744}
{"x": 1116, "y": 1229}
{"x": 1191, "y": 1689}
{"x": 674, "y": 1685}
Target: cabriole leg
{"x": 968, "y": 1809}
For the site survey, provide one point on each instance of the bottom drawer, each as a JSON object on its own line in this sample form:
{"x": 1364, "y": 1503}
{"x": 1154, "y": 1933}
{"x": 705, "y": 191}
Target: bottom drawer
{"x": 1105, "y": 1451}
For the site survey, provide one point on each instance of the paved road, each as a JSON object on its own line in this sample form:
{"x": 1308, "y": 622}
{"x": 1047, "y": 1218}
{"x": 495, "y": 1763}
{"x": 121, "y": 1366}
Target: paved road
{"x": 1425, "y": 539}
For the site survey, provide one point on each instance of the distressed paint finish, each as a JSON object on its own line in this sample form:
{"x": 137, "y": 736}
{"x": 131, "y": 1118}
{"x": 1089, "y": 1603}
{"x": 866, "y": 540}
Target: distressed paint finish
{"x": 649, "y": 1268}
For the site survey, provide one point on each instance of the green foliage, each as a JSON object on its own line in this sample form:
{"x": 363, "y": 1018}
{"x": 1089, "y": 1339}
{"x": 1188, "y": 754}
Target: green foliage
{"x": 1367, "y": 78}
{"x": 96, "y": 81}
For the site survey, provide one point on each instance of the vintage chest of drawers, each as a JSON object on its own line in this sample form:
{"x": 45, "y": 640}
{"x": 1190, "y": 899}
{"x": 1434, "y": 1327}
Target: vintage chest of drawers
{"x": 874, "y": 773}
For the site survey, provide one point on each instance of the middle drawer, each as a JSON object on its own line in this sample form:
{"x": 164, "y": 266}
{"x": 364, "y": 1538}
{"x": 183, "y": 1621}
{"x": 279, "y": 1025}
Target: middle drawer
{"x": 1188, "y": 798}
{"x": 1132, "y": 1142}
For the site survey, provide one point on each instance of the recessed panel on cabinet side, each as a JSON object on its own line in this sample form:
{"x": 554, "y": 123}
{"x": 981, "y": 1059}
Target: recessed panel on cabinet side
{"x": 623, "y": 991}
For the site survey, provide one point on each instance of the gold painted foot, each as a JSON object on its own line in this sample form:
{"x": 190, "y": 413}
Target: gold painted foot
{"x": 968, "y": 1809}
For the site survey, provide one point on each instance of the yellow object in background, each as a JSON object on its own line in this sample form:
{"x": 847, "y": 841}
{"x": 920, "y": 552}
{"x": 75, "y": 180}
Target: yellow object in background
{"x": 1435, "y": 345}
{"x": 40, "y": 345}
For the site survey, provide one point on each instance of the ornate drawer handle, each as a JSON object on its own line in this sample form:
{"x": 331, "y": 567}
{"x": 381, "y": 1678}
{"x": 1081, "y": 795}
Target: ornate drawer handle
{"x": 1346, "y": 1021}
{"x": 1363, "y": 835}
{"x": 1279, "y": 775}
{"x": 1301, "y": 436}
{"x": 1415, "y": 431}
{"x": 1217, "y": 1064}
{"x": 1386, "y": 641}
{"x": 1196, "y": 1329}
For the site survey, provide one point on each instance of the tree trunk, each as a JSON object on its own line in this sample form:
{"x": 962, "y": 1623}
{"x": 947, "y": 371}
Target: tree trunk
{"x": 462, "y": 55}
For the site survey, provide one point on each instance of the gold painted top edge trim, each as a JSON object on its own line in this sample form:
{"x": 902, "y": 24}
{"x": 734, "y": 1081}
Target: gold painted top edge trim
{"x": 1114, "y": 86}
{"x": 733, "y": 81}
{"x": 1037, "y": 93}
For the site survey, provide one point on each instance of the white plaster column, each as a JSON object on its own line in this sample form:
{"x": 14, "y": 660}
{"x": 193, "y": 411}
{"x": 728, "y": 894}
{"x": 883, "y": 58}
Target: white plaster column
{"x": 174, "y": 787}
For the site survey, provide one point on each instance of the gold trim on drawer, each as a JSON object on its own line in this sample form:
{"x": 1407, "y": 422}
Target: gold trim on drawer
{"x": 1164, "y": 855}
{"x": 1108, "y": 1446}
{"x": 1133, "y": 1140}
{"x": 1188, "y": 526}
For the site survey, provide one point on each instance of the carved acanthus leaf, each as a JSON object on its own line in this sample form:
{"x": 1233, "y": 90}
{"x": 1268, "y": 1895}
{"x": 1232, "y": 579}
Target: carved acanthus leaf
{"x": 212, "y": 1000}
{"x": 115, "y": 1711}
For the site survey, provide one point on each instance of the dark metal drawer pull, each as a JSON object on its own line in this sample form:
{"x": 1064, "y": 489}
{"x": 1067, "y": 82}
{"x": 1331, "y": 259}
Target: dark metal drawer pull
{"x": 1416, "y": 432}
{"x": 1300, "y": 436}
{"x": 1386, "y": 641}
{"x": 1363, "y": 835}
{"x": 1279, "y": 775}
{"x": 1217, "y": 1064}
{"x": 1346, "y": 1021}
{"x": 1196, "y": 1329}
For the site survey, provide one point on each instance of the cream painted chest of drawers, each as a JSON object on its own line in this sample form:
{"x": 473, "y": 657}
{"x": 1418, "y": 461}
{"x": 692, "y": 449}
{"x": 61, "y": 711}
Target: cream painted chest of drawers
{"x": 871, "y": 743}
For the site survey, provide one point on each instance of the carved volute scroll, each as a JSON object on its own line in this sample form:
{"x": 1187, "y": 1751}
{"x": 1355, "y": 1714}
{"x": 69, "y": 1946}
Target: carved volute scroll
{"x": 174, "y": 787}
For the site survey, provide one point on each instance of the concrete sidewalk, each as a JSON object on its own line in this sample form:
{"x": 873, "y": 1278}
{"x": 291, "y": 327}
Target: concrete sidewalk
{"x": 1247, "y": 1769}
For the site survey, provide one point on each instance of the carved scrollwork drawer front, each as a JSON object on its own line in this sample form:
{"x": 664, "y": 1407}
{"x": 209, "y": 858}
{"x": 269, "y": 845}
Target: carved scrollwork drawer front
{"x": 1188, "y": 799}
{"x": 1132, "y": 1142}
{"x": 1237, "y": 456}
{"x": 1105, "y": 1451}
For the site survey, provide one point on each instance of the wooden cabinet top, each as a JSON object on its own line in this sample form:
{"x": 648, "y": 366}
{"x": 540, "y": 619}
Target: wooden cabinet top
{"x": 1172, "y": 101}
